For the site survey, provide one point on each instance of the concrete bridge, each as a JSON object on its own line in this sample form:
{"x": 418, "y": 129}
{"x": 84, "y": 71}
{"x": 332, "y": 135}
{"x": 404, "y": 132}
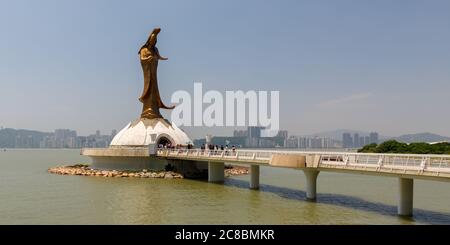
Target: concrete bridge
{"x": 405, "y": 167}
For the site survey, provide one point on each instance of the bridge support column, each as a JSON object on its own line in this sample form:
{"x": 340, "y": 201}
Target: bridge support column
{"x": 311, "y": 183}
{"x": 405, "y": 197}
{"x": 254, "y": 177}
{"x": 216, "y": 172}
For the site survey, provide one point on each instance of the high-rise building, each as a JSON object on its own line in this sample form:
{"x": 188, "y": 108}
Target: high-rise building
{"x": 254, "y": 132}
{"x": 304, "y": 142}
{"x": 366, "y": 140}
{"x": 240, "y": 133}
{"x": 347, "y": 140}
{"x": 293, "y": 142}
{"x": 61, "y": 134}
{"x": 316, "y": 143}
{"x": 283, "y": 134}
{"x": 361, "y": 141}
{"x": 253, "y": 138}
{"x": 374, "y": 138}
{"x": 64, "y": 138}
{"x": 356, "y": 138}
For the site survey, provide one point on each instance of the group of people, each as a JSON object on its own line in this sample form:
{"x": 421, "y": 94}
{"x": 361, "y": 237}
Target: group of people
{"x": 217, "y": 148}
{"x": 211, "y": 148}
{"x": 175, "y": 147}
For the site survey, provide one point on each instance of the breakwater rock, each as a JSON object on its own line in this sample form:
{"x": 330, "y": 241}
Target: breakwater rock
{"x": 85, "y": 170}
{"x": 235, "y": 170}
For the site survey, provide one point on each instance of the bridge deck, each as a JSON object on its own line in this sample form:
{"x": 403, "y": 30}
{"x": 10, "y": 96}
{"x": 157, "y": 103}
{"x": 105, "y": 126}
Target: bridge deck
{"x": 435, "y": 167}
{"x": 426, "y": 166}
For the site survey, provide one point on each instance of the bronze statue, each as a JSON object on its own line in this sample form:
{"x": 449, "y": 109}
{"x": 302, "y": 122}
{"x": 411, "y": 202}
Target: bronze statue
{"x": 151, "y": 99}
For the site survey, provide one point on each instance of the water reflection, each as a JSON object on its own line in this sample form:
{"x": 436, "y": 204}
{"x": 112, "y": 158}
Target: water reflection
{"x": 420, "y": 215}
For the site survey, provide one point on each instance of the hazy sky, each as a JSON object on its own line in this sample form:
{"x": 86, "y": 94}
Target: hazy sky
{"x": 364, "y": 65}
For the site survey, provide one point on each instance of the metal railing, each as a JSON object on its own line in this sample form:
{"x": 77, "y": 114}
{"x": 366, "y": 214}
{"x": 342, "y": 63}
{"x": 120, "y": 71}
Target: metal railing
{"x": 217, "y": 154}
{"x": 344, "y": 160}
{"x": 406, "y": 162}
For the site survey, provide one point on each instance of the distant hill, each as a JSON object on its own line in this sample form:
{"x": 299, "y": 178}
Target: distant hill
{"x": 422, "y": 137}
{"x": 8, "y": 136}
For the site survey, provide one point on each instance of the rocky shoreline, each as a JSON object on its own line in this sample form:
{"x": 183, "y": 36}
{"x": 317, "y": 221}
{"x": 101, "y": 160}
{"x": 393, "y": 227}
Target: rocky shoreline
{"x": 231, "y": 170}
{"x": 85, "y": 170}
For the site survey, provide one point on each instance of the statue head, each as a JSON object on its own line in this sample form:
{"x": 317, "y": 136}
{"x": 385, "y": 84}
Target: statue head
{"x": 156, "y": 31}
{"x": 152, "y": 39}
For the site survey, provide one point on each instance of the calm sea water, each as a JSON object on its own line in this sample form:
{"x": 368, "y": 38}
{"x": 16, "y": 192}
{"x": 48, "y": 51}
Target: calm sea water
{"x": 29, "y": 195}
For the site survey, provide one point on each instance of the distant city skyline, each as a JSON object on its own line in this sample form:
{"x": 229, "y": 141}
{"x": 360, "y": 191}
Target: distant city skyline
{"x": 97, "y": 131}
{"x": 356, "y": 140}
{"x": 59, "y": 138}
{"x": 250, "y": 137}
{"x": 367, "y": 65}
{"x": 238, "y": 130}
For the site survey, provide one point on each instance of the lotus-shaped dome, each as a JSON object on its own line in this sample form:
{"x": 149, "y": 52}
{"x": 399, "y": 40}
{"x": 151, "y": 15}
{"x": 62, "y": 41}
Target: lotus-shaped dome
{"x": 143, "y": 132}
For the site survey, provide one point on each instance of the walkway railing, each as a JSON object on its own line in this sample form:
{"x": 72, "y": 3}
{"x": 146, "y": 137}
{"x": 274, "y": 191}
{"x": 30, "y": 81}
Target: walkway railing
{"x": 344, "y": 160}
{"x": 217, "y": 154}
{"x": 430, "y": 163}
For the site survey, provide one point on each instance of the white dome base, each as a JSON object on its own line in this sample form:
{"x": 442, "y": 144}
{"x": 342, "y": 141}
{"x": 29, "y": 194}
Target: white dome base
{"x": 144, "y": 132}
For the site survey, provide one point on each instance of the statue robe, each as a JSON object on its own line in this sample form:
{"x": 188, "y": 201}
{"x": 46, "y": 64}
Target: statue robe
{"x": 150, "y": 96}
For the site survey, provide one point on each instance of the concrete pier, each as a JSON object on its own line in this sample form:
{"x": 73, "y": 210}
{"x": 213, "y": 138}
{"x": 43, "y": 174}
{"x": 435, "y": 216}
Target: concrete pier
{"x": 311, "y": 183}
{"x": 216, "y": 172}
{"x": 254, "y": 177}
{"x": 405, "y": 197}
